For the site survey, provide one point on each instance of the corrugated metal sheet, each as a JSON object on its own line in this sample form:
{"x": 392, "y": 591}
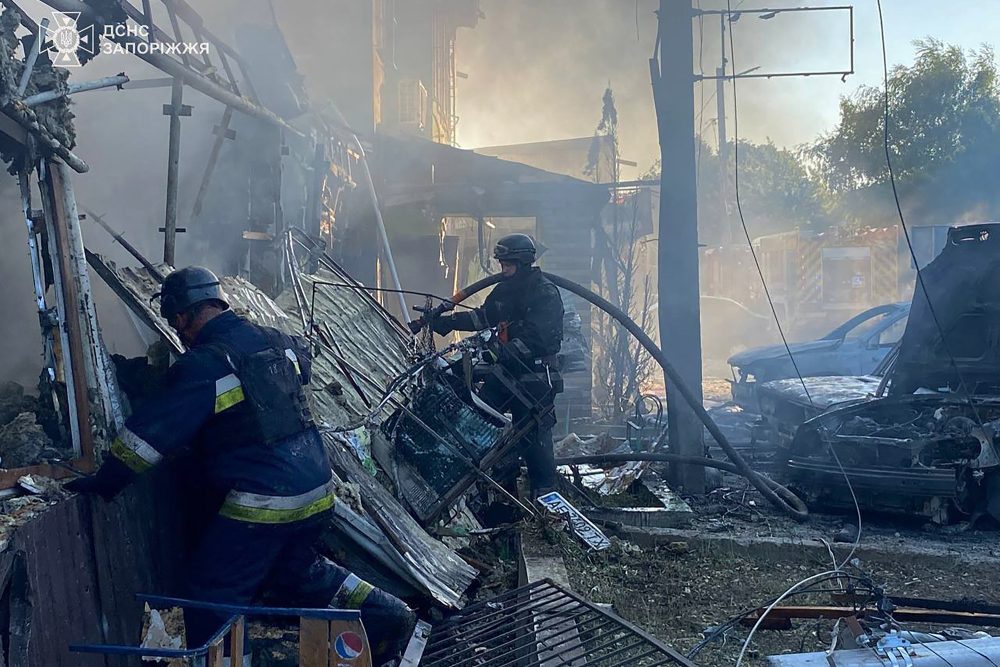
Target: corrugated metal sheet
{"x": 355, "y": 330}
{"x": 434, "y": 566}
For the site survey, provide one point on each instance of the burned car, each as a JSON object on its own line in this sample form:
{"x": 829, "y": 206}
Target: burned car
{"x": 929, "y": 445}
{"x": 856, "y": 347}
{"x": 918, "y": 454}
{"x": 785, "y": 404}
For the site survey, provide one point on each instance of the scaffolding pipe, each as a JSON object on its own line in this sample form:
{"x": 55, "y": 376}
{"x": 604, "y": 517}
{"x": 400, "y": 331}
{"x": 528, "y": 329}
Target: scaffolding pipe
{"x": 794, "y": 508}
{"x": 173, "y": 166}
{"x": 177, "y": 70}
{"x": 49, "y": 95}
{"x": 381, "y": 230}
{"x": 32, "y": 56}
{"x": 131, "y": 249}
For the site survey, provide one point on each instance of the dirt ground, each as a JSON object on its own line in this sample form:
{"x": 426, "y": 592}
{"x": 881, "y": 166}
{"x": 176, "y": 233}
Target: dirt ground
{"x": 679, "y": 594}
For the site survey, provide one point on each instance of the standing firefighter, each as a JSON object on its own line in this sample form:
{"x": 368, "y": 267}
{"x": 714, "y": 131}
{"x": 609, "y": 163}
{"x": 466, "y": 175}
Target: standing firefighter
{"x": 235, "y": 401}
{"x": 528, "y": 312}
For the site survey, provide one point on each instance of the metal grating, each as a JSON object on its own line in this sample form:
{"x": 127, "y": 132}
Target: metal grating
{"x": 543, "y": 625}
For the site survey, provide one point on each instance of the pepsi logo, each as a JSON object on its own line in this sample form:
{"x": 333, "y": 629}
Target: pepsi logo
{"x": 349, "y": 645}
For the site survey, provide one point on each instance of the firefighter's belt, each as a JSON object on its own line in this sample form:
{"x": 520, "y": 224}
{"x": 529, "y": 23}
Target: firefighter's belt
{"x": 257, "y": 508}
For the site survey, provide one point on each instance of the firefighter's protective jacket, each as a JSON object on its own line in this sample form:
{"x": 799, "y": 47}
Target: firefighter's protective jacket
{"x": 204, "y": 410}
{"x": 528, "y": 310}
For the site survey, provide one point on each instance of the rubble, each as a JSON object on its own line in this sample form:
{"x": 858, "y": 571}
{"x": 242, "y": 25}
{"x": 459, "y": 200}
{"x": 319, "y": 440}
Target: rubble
{"x": 23, "y": 442}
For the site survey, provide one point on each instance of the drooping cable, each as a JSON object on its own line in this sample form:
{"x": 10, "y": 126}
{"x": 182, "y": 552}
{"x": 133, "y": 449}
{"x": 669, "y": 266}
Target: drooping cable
{"x": 777, "y": 600}
{"x": 734, "y": 620}
{"x": 963, "y": 387}
{"x": 760, "y": 272}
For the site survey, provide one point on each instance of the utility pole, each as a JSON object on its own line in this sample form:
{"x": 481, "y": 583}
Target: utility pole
{"x": 677, "y": 246}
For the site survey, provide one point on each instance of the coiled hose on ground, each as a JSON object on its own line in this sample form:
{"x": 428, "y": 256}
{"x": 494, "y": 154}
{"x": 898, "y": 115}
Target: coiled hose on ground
{"x": 776, "y": 494}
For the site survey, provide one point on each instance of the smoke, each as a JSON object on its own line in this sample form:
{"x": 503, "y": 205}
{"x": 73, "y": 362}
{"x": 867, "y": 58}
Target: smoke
{"x": 536, "y": 71}
{"x": 122, "y": 135}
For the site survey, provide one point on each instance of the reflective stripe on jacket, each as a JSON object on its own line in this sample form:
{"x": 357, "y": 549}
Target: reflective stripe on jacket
{"x": 202, "y": 410}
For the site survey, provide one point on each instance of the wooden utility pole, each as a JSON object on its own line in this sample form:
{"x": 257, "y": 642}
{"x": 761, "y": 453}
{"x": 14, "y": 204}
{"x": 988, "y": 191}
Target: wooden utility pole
{"x": 677, "y": 282}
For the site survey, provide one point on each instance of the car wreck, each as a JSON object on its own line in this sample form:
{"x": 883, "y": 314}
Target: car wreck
{"x": 928, "y": 446}
{"x": 786, "y": 404}
{"x": 856, "y": 347}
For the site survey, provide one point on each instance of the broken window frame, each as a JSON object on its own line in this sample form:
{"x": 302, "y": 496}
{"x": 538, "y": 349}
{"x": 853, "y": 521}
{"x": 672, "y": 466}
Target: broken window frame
{"x": 75, "y": 354}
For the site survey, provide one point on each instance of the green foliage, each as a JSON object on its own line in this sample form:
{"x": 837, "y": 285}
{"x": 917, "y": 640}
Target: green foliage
{"x": 776, "y": 192}
{"x": 944, "y": 129}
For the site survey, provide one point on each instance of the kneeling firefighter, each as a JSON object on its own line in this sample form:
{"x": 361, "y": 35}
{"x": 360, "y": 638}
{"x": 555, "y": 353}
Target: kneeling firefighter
{"x": 235, "y": 401}
{"x": 527, "y": 309}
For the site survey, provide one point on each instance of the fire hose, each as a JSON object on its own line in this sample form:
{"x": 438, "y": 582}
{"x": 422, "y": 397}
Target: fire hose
{"x": 784, "y": 499}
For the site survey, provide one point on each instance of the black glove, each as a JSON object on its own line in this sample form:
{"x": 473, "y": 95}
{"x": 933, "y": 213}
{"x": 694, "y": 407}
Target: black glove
{"x": 443, "y": 324}
{"x": 107, "y": 483}
{"x": 416, "y": 325}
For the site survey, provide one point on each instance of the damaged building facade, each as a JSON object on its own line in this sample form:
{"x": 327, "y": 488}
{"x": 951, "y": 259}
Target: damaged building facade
{"x": 313, "y": 187}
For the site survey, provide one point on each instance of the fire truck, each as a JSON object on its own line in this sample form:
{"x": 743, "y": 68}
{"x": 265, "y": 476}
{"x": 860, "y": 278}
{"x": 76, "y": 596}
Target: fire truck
{"x": 818, "y": 280}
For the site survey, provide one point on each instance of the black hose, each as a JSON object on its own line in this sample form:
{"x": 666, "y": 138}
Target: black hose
{"x": 598, "y": 459}
{"x": 794, "y": 508}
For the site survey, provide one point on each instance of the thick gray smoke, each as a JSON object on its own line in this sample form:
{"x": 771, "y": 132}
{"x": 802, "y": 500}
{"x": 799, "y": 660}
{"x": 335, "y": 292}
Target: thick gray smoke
{"x": 537, "y": 70}
{"x": 122, "y": 135}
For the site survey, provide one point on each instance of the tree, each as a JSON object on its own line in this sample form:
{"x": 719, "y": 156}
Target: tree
{"x": 621, "y": 366}
{"x": 944, "y": 126}
{"x": 776, "y": 192}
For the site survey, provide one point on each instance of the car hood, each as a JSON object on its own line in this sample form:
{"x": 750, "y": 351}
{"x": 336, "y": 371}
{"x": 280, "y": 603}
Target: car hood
{"x": 770, "y": 352}
{"x": 824, "y": 391}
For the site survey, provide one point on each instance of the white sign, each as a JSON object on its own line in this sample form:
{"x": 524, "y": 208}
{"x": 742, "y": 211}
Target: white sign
{"x": 580, "y": 525}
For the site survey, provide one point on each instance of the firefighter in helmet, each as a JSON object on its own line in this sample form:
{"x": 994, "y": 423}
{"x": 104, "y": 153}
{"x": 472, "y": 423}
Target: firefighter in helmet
{"x": 527, "y": 310}
{"x": 234, "y": 402}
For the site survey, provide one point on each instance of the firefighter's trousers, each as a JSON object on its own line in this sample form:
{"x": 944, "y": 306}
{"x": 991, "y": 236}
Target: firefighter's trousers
{"x": 238, "y": 562}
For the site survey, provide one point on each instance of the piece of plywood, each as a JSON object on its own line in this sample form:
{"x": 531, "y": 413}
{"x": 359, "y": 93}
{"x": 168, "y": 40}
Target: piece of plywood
{"x": 314, "y": 643}
{"x": 349, "y": 643}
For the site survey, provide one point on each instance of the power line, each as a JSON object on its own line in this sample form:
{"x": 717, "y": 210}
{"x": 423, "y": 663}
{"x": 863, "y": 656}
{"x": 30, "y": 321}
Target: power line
{"x": 760, "y": 272}
{"x": 963, "y": 388}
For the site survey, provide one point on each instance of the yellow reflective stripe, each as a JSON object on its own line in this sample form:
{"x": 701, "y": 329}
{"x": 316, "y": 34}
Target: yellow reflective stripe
{"x": 228, "y": 400}
{"x": 352, "y": 593}
{"x": 231, "y": 510}
{"x": 260, "y": 508}
{"x": 135, "y": 452}
{"x": 228, "y": 392}
{"x": 128, "y": 457}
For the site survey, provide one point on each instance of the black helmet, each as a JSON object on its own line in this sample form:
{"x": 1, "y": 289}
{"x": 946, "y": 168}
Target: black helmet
{"x": 518, "y": 248}
{"x": 187, "y": 287}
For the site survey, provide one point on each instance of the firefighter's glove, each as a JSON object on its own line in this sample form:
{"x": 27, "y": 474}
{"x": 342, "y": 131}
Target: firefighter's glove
{"x": 416, "y": 325}
{"x": 493, "y": 351}
{"x": 491, "y": 355}
{"x": 107, "y": 483}
{"x": 443, "y": 324}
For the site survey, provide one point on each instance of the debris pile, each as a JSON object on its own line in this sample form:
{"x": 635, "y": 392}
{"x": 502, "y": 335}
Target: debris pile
{"x": 24, "y": 440}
